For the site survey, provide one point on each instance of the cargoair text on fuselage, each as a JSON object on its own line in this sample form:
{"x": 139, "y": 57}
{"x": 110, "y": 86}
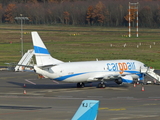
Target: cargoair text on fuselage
{"x": 121, "y": 71}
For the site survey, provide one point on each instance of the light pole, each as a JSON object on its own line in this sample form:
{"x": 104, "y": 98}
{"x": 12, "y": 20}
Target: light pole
{"x": 21, "y": 18}
{"x": 21, "y": 35}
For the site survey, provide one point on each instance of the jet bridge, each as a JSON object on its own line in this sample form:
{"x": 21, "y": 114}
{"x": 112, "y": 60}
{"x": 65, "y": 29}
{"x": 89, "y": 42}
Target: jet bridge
{"x": 153, "y": 75}
{"x": 26, "y": 60}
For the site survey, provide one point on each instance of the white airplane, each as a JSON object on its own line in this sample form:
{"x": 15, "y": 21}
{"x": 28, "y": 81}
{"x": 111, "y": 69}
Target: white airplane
{"x": 88, "y": 110}
{"x": 121, "y": 71}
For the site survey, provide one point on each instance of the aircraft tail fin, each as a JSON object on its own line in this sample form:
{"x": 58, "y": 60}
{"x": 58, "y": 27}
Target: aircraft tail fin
{"x": 43, "y": 57}
{"x": 88, "y": 110}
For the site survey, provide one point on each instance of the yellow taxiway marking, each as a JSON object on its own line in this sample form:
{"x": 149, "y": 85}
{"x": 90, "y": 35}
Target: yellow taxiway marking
{"x": 116, "y": 109}
{"x": 120, "y": 109}
{"x": 6, "y": 78}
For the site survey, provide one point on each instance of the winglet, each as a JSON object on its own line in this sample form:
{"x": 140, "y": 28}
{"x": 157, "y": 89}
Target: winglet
{"x": 87, "y": 111}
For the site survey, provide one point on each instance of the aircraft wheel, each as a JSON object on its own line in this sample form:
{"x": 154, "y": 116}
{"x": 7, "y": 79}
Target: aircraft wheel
{"x": 101, "y": 85}
{"x": 80, "y": 85}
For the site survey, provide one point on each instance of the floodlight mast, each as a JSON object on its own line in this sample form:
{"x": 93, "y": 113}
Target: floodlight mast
{"x": 129, "y": 21}
{"x": 133, "y": 6}
{"x": 21, "y": 18}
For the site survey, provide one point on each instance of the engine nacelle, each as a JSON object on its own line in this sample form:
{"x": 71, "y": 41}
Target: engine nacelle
{"x": 125, "y": 79}
{"x": 118, "y": 81}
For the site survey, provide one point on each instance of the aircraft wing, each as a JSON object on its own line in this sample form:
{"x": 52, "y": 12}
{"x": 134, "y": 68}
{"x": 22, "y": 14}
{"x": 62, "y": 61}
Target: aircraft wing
{"x": 104, "y": 77}
{"x": 125, "y": 78}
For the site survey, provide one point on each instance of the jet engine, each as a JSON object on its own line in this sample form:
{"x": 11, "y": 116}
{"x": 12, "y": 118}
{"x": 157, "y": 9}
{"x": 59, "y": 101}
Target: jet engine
{"x": 118, "y": 81}
{"x": 126, "y": 79}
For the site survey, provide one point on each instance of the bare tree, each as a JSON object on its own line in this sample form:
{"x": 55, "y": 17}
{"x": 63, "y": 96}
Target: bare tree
{"x": 1, "y": 12}
{"x": 145, "y": 16}
{"x": 157, "y": 15}
{"x": 80, "y": 12}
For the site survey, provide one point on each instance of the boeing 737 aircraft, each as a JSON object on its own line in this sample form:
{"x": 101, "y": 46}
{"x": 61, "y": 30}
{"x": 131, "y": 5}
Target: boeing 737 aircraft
{"x": 121, "y": 71}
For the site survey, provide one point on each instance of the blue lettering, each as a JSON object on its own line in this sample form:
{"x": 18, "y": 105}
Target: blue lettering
{"x": 133, "y": 66}
{"x": 124, "y": 66}
{"x": 116, "y": 67}
{"x": 129, "y": 65}
{"x": 113, "y": 66}
{"x": 108, "y": 66}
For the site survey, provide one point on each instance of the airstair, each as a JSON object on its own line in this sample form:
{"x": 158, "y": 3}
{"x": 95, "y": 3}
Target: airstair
{"x": 153, "y": 75}
{"x": 26, "y": 60}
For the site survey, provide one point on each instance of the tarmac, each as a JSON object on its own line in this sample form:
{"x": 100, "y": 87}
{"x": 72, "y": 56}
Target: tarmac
{"x": 25, "y": 97}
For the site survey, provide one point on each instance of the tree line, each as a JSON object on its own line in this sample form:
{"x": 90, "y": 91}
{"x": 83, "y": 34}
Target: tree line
{"x": 109, "y": 13}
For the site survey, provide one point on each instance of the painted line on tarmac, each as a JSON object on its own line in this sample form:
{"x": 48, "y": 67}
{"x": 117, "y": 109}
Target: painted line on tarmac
{"x": 42, "y": 97}
{"x": 55, "y": 82}
{"x": 65, "y": 96}
{"x": 120, "y": 109}
{"x": 115, "y": 88}
{"x": 6, "y": 78}
{"x": 154, "y": 97}
{"x": 30, "y": 81}
{"x": 126, "y": 97}
{"x": 125, "y": 108}
{"x": 95, "y": 96}
{"x": 115, "y": 109}
{"x": 11, "y": 113}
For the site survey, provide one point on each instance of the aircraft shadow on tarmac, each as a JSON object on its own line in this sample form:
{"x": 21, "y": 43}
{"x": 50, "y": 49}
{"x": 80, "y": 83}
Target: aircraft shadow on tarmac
{"x": 66, "y": 85}
{"x": 23, "y": 107}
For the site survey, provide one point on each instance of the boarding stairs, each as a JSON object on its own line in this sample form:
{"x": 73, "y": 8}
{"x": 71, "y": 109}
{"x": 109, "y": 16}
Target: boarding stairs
{"x": 26, "y": 60}
{"x": 150, "y": 72}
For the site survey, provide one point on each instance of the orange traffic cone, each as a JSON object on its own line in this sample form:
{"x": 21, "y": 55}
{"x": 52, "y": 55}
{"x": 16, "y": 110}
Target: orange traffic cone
{"x": 24, "y": 92}
{"x": 24, "y": 85}
{"x": 142, "y": 88}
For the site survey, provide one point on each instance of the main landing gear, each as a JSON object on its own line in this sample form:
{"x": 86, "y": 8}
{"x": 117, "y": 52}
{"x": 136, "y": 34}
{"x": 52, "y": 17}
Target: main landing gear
{"x": 80, "y": 85}
{"x": 101, "y": 85}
